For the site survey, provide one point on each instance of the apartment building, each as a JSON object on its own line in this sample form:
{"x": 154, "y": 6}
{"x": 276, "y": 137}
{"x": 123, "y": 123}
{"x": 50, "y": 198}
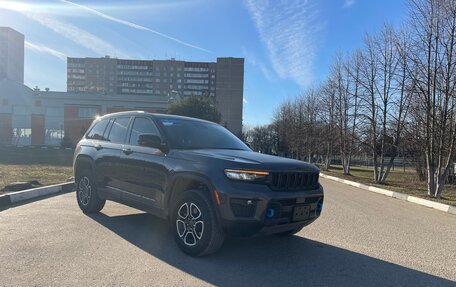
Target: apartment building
{"x": 223, "y": 79}
{"x": 11, "y": 55}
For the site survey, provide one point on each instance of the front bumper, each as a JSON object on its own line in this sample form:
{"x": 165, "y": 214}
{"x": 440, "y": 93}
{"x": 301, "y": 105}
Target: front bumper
{"x": 247, "y": 212}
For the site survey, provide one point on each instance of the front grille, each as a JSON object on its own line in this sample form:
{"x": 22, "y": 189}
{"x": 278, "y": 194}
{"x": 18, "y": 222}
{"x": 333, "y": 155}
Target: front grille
{"x": 292, "y": 181}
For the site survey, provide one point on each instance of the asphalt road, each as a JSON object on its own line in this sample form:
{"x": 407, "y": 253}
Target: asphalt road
{"x": 361, "y": 239}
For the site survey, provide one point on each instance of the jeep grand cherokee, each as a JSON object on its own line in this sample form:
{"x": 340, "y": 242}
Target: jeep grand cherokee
{"x": 196, "y": 174}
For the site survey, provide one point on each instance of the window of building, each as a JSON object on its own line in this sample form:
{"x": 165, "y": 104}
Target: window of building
{"x": 196, "y": 75}
{"x": 142, "y": 126}
{"x": 118, "y": 130}
{"x": 53, "y": 136}
{"x": 196, "y": 81}
{"x": 21, "y": 136}
{"x": 87, "y": 113}
{"x": 98, "y": 130}
{"x": 21, "y": 110}
{"x": 54, "y": 111}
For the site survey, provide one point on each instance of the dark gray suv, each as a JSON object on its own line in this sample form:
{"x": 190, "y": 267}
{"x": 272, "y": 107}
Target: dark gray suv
{"x": 196, "y": 174}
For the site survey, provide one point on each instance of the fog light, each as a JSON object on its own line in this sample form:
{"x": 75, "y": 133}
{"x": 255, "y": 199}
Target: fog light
{"x": 270, "y": 212}
{"x": 320, "y": 206}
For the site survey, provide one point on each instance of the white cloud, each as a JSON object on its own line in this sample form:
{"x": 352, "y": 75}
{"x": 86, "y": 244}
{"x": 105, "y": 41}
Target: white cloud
{"x": 252, "y": 60}
{"x": 67, "y": 30}
{"x": 133, "y": 25}
{"x": 244, "y": 100}
{"x": 291, "y": 32}
{"x": 349, "y": 3}
{"x": 77, "y": 35}
{"x": 45, "y": 49}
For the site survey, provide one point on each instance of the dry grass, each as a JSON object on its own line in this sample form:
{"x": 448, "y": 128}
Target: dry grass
{"x": 398, "y": 180}
{"x": 48, "y": 166}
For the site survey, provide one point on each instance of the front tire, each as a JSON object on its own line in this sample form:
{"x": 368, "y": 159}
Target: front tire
{"x": 195, "y": 225}
{"x": 289, "y": 232}
{"x": 86, "y": 193}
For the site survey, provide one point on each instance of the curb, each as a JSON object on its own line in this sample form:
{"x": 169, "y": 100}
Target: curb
{"x": 24, "y": 195}
{"x": 424, "y": 202}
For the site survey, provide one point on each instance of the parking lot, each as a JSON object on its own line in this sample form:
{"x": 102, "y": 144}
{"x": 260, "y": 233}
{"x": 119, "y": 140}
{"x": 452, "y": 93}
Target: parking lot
{"x": 361, "y": 239}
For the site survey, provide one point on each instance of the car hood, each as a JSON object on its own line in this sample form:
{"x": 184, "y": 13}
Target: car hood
{"x": 250, "y": 159}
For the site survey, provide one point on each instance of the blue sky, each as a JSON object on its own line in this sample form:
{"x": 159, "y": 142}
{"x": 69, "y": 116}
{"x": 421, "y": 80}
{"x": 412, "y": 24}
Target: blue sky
{"x": 287, "y": 45}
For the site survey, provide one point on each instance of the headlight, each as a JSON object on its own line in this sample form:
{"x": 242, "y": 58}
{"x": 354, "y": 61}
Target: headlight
{"x": 246, "y": 175}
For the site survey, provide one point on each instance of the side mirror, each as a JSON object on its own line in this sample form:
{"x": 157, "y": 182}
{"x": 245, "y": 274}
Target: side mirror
{"x": 150, "y": 140}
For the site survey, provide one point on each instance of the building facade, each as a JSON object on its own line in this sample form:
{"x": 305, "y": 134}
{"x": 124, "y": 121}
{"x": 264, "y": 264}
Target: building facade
{"x": 34, "y": 117}
{"x": 11, "y": 55}
{"x": 223, "y": 79}
{"x": 97, "y": 86}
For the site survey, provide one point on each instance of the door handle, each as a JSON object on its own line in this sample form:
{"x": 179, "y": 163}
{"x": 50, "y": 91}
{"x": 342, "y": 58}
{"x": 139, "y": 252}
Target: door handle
{"x": 98, "y": 146}
{"x": 127, "y": 151}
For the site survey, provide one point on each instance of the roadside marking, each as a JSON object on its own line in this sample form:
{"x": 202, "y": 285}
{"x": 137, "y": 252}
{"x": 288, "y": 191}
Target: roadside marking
{"x": 23, "y": 195}
{"x": 401, "y": 196}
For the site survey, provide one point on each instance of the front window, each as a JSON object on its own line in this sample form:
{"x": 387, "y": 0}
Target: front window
{"x": 193, "y": 134}
{"x": 142, "y": 126}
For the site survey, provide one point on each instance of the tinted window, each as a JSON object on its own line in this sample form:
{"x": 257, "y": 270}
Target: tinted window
{"x": 189, "y": 134}
{"x": 98, "y": 130}
{"x": 118, "y": 130}
{"x": 142, "y": 126}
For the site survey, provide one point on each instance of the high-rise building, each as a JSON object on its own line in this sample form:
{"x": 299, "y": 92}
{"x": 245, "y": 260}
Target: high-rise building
{"x": 158, "y": 79}
{"x": 11, "y": 55}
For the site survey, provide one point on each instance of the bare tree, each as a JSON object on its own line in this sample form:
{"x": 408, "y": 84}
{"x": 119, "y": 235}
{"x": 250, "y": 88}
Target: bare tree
{"x": 345, "y": 75}
{"x": 432, "y": 68}
{"x": 327, "y": 116}
{"x": 385, "y": 99}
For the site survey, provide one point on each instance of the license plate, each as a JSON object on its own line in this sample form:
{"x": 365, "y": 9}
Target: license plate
{"x": 301, "y": 213}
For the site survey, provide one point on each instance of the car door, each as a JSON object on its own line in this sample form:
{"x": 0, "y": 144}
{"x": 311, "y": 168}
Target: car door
{"x": 142, "y": 166}
{"x": 112, "y": 149}
{"x": 102, "y": 155}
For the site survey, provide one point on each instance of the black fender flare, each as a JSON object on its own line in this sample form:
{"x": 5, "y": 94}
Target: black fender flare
{"x": 171, "y": 193}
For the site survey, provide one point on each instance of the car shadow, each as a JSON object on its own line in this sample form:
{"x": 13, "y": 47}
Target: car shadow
{"x": 269, "y": 261}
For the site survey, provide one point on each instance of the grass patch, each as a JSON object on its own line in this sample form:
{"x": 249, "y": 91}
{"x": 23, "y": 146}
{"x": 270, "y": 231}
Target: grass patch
{"x": 398, "y": 180}
{"x": 48, "y": 166}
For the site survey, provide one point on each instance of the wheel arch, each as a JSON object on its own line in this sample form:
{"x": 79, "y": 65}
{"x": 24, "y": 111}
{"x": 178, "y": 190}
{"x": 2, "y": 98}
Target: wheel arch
{"x": 189, "y": 181}
{"x": 81, "y": 163}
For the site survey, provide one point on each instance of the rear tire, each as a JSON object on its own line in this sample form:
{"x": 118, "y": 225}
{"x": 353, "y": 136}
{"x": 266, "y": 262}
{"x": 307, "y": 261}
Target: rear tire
{"x": 195, "y": 225}
{"x": 86, "y": 193}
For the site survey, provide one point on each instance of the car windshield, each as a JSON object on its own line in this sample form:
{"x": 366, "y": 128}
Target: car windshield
{"x": 191, "y": 134}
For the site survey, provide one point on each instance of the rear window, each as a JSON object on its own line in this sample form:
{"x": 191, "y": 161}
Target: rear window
{"x": 118, "y": 130}
{"x": 98, "y": 130}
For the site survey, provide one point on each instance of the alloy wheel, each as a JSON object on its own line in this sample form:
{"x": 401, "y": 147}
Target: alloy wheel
{"x": 84, "y": 190}
{"x": 189, "y": 223}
